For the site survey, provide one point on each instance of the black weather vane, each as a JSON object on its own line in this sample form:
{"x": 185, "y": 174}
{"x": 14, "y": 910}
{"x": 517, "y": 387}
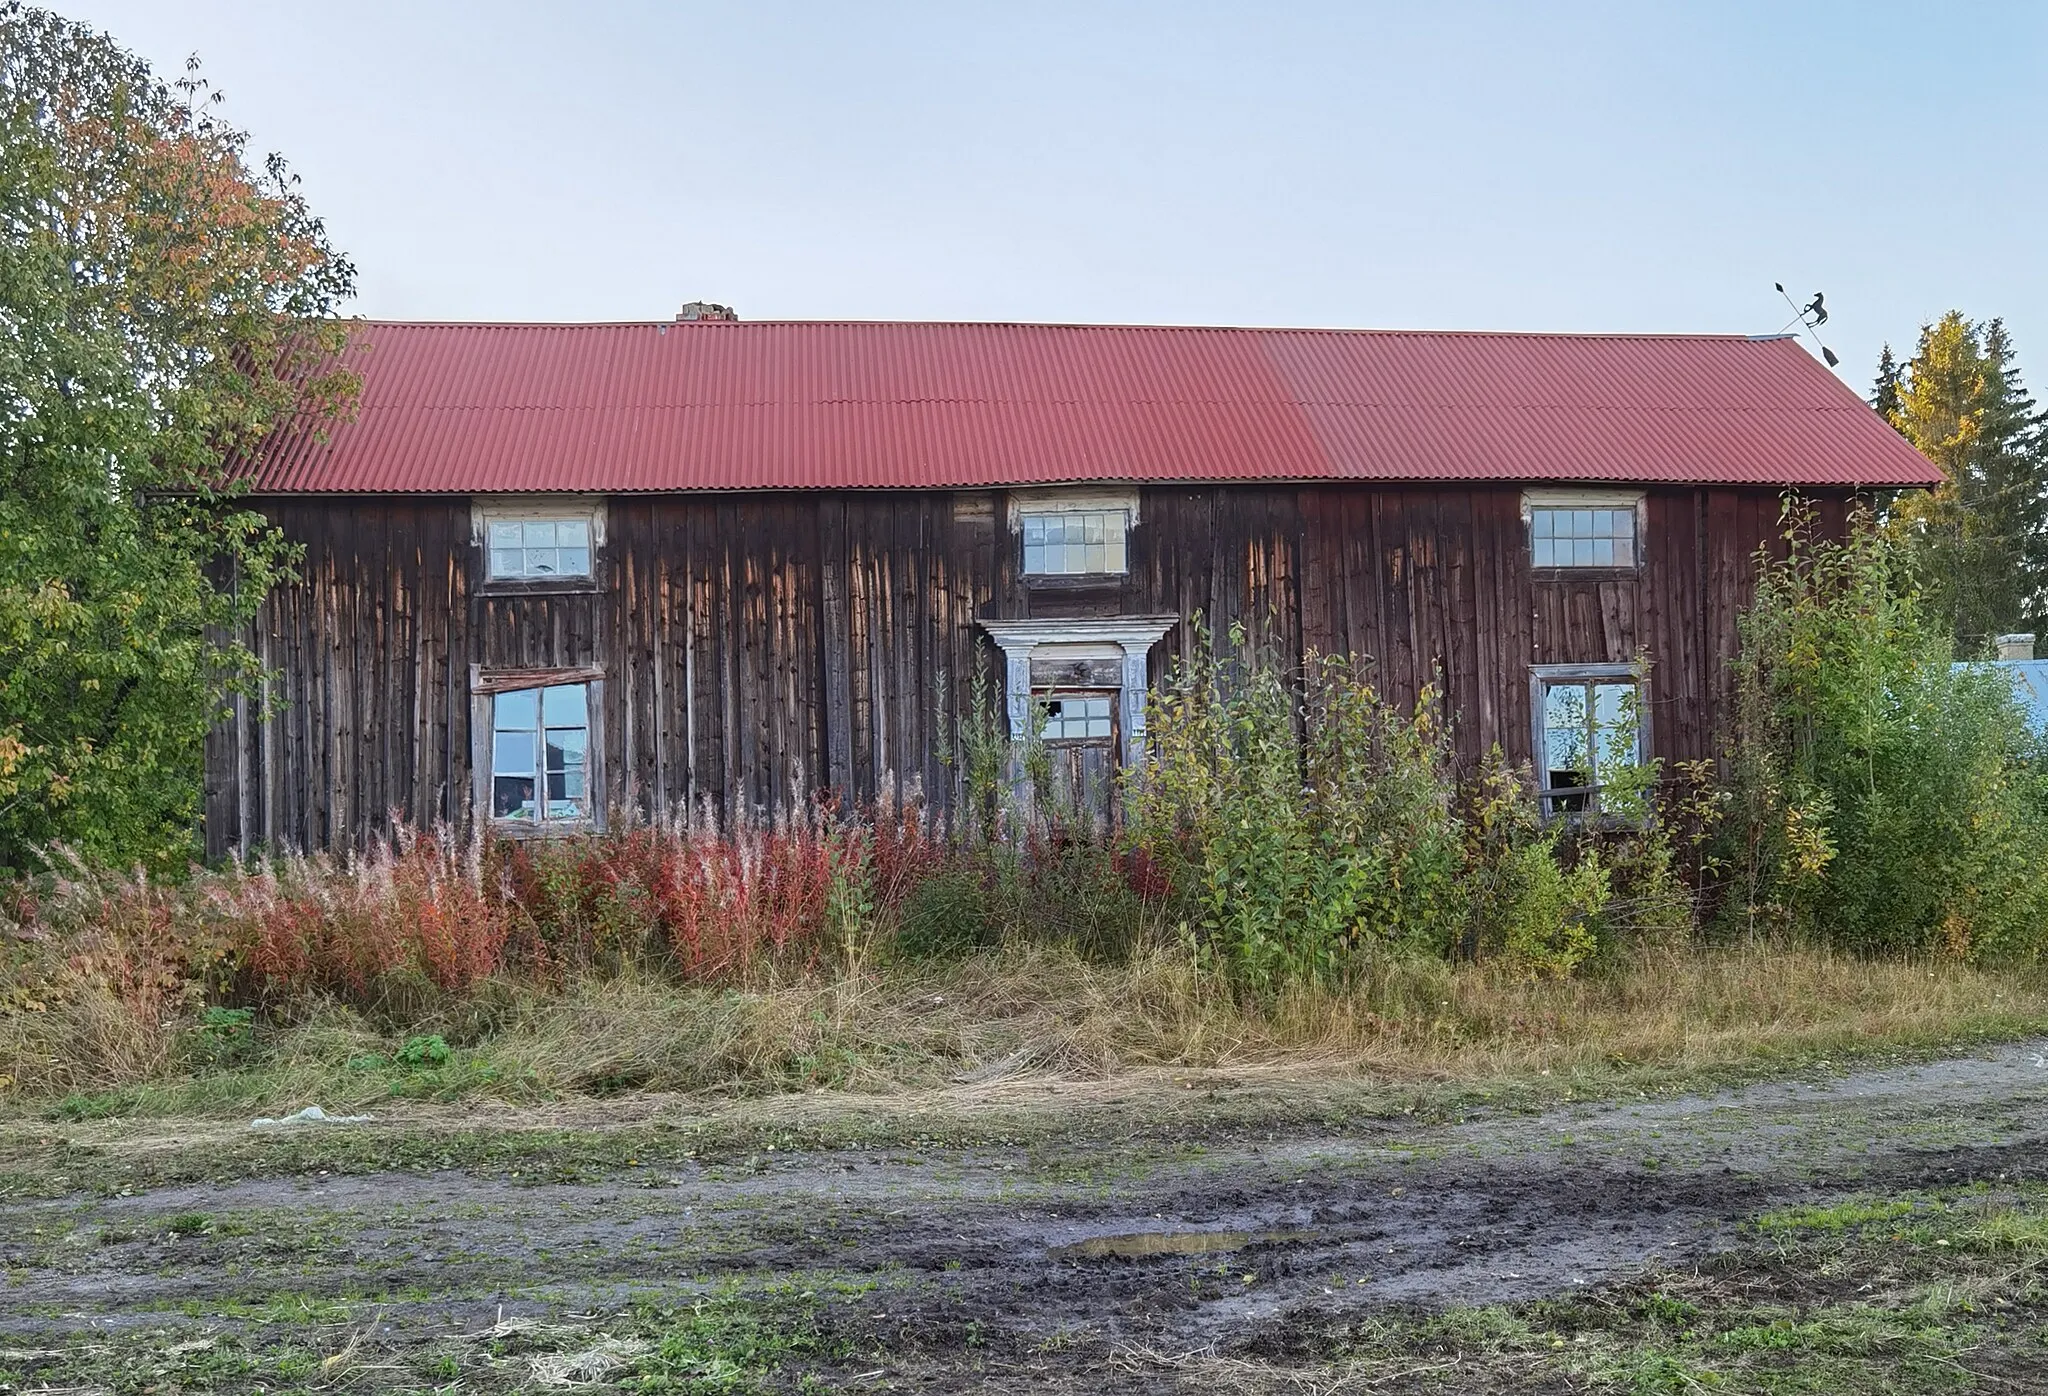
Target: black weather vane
{"x": 1809, "y": 317}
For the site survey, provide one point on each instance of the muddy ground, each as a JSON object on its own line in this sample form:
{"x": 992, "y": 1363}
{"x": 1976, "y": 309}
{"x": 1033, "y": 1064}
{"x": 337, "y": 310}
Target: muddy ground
{"x": 1045, "y": 1266}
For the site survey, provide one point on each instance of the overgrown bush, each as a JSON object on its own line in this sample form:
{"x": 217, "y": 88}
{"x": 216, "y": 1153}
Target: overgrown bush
{"x": 1882, "y": 797}
{"x": 1534, "y": 895}
{"x": 1304, "y": 827}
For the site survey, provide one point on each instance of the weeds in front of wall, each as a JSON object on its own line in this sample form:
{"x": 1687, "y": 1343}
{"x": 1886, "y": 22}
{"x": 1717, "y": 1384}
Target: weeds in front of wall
{"x": 1302, "y": 870}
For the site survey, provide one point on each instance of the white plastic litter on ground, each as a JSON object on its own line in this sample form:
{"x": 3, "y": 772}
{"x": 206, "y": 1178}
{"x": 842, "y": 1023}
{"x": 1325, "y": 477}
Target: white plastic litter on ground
{"x": 311, "y": 1115}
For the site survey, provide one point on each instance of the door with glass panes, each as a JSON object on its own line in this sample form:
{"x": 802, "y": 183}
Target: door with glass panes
{"x": 1079, "y": 729}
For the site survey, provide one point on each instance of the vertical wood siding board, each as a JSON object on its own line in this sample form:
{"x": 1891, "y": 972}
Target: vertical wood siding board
{"x": 911, "y": 678}
{"x": 808, "y": 740}
{"x": 1682, "y": 598}
{"x": 1390, "y": 576}
{"x": 1361, "y": 590}
{"x": 764, "y": 785}
{"x": 1672, "y": 692}
{"x": 267, "y": 725}
{"x": 906, "y": 683}
{"x": 1617, "y": 616}
{"x": 1484, "y": 720}
{"x": 789, "y": 753}
{"x": 724, "y": 690}
{"x": 776, "y": 768}
{"x": 419, "y": 671}
{"x": 874, "y": 581}
{"x": 616, "y": 621}
{"x": 936, "y": 639}
{"x": 771, "y": 781}
{"x": 1501, "y": 600}
{"x": 1283, "y": 535}
{"x": 1318, "y": 628}
{"x": 878, "y": 642}
{"x": 1462, "y": 705}
{"x": 1397, "y": 570}
{"x": 1723, "y": 529}
{"x": 1700, "y": 634}
{"x": 661, "y": 653}
{"x": 325, "y": 729}
{"x": 860, "y": 704}
{"x": 836, "y": 673}
{"x": 1443, "y": 644}
{"x": 457, "y": 778}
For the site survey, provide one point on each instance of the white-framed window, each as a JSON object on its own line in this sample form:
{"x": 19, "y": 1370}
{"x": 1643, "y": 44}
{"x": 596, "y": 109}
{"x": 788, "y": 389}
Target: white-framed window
{"x": 1082, "y": 531}
{"x": 1591, "y": 737}
{"x": 1077, "y": 717}
{"x": 540, "y": 755}
{"x": 1572, "y": 530}
{"x": 529, "y": 540}
{"x": 1075, "y": 542}
{"x": 539, "y": 548}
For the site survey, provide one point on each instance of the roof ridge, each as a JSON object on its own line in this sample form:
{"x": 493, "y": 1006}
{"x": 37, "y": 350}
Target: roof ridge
{"x": 1362, "y": 330}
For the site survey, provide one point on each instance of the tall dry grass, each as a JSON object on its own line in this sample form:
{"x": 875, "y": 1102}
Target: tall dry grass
{"x": 1035, "y": 1011}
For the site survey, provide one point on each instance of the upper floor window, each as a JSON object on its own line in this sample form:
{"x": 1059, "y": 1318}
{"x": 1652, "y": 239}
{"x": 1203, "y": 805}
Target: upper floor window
{"x": 557, "y": 547}
{"x": 1077, "y": 533}
{"x": 532, "y": 541}
{"x": 1583, "y": 530}
{"x": 1079, "y": 542}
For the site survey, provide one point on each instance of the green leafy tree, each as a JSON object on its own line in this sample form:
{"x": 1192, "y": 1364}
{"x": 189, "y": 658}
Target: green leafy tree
{"x": 1977, "y": 545}
{"x": 163, "y": 306}
{"x": 1882, "y": 797}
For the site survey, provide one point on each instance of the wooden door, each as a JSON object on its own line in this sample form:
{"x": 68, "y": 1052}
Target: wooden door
{"x": 1082, "y": 741}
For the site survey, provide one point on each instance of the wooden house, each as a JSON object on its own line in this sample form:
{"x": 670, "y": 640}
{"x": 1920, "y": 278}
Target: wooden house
{"x": 554, "y": 572}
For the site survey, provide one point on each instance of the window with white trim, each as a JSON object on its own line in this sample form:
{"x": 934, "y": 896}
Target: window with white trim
{"x": 1583, "y": 530}
{"x": 519, "y": 548}
{"x": 1075, "y": 542}
{"x": 1590, "y": 739}
{"x": 540, "y": 755}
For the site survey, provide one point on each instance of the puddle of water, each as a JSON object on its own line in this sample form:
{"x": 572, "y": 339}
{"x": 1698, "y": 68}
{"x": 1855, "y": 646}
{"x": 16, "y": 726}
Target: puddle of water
{"x": 1137, "y": 1245}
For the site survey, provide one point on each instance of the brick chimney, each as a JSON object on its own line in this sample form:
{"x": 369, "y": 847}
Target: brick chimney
{"x": 706, "y": 310}
{"x": 2019, "y": 646}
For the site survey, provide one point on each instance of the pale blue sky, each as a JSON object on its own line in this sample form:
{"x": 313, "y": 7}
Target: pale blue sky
{"x": 1552, "y": 166}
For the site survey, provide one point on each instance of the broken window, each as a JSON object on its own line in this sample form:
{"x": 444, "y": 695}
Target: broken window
{"x": 1077, "y": 717}
{"x": 540, "y": 753}
{"x": 558, "y": 547}
{"x": 1075, "y": 543}
{"x": 1590, "y": 743}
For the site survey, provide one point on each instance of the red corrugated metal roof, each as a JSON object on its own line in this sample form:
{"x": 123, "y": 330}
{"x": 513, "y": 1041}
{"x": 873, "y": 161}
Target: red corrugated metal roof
{"x": 820, "y": 405}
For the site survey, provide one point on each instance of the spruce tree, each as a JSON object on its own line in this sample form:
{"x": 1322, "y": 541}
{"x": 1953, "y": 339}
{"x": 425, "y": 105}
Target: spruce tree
{"x": 1885, "y": 395}
{"x": 1977, "y": 545}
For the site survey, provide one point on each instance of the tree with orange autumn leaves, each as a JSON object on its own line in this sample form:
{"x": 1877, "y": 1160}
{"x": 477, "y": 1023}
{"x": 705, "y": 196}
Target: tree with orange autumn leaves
{"x": 165, "y": 304}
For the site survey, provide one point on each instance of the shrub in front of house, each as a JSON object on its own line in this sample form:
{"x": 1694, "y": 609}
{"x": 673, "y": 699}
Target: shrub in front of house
{"x": 1881, "y": 798}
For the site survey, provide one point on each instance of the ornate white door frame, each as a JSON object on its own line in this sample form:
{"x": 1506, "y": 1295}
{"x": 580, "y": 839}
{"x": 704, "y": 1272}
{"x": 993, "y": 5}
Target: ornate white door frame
{"x": 1133, "y": 636}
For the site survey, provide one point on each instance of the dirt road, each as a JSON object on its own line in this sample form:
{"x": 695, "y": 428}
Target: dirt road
{"x": 960, "y": 1268}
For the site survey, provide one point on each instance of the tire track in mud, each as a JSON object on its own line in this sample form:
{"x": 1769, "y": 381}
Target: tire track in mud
{"x": 1182, "y": 1250}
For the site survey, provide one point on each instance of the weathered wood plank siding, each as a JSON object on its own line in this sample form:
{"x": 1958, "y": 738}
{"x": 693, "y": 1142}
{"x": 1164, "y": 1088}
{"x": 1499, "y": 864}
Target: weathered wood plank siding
{"x": 759, "y": 647}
